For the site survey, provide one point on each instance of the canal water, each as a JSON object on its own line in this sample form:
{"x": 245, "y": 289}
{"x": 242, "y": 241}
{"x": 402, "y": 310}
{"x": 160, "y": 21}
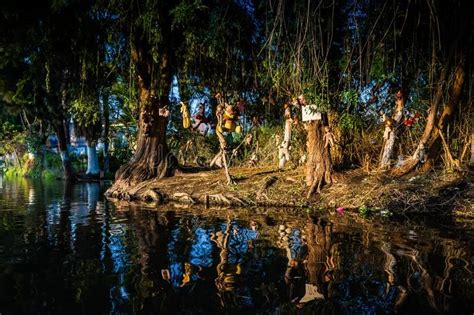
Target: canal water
{"x": 64, "y": 249}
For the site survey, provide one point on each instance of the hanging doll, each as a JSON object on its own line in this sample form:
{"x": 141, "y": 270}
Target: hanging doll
{"x": 230, "y": 118}
{"x": 328, "y": 137}
{"x": 186, "y": 116}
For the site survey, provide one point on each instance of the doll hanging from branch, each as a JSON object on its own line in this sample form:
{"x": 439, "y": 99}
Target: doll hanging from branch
{"x": 186, "y": 116}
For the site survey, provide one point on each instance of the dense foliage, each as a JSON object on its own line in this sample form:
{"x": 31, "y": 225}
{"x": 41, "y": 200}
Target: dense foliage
{"x": 88, "y": 64}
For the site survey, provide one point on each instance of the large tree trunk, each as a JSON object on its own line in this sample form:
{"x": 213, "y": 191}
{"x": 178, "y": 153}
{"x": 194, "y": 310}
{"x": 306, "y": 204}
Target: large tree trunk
{"x": 430, "y": 143}
{"x": 337, "y": 149}
{"x": 64, "y": 109}
{"x": 318, "y": 165}
{"x": 391, "y": 131}
{"x": 434, "y": 145}
{"x": 105, "y": 131}
{"x": 471, "y": 161}
{"x": 63, "y": 151}
{"x": 284, "y": 148}
{"x": 93, "y": 169}
{"x": 152, "y": 157}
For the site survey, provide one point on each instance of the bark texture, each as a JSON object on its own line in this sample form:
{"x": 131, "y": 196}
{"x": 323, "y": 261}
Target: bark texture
{"x": 318, "y": 165}
{"x": 451, "y": 80}
{"x": 92, "y": 160}
{"x": 63, "y": 150}
{"x": 284, "y": 148}
{"x": 434, "y": 144}
{"x": 105, "y": 131}
{"x": 430, "y": 143}
{"x": 392, "y": 126}
{"x": 152, "y": 158}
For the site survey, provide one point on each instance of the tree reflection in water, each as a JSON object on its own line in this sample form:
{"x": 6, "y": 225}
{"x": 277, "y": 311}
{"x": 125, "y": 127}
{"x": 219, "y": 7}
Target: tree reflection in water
{"x": 64, "y": 248}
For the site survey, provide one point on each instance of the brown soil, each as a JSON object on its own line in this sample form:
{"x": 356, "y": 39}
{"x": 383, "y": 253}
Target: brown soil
{"x": 432, "y": 193}
{"x": 440, "y": 193}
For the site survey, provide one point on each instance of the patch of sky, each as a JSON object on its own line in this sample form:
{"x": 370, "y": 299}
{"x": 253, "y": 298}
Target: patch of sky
{"x": 238, "y": 243}
{"x": 197, "y": 97}
{"x": 382, "y": 100}
{"x": 176, "y": 271}
{"x": 117, "y": 249}
{"x": 201, "y": 249}
{"x": 175, "y": 256}
{"x": 249, "y": 7}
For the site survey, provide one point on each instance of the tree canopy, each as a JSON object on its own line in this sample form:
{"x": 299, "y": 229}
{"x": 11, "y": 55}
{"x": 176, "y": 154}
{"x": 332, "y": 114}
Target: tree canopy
{"x": 61, "y": 60}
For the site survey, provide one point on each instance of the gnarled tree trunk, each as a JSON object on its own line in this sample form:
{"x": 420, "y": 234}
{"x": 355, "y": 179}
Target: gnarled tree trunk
{"x": 284, "y": 148}
{"x": 63, "y": 151}
{"x": 430, "y": 143}
{"x": 434, "y": 145}
{"x": 471, "y": 161}
{"x": 392, "y": 131}
{"x": 92, "y": 160}
{"x": 318, "y": 165}
{"x": 152, "y": 157}
{"x": 105, "y": 131}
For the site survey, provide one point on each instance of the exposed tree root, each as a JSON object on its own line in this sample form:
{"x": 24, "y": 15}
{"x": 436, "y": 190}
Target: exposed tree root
{"x": 422, "y": 194}
{"x": 405, "y": 168}
{"x": 183, "y": 197}
{"x": 151, "y": 195}
{"x": 262, "y": 192}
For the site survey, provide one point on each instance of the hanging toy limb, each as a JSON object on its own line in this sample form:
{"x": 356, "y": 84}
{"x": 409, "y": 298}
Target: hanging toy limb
{"x": 222, "y": 143}
{"x": 186, "y": 116}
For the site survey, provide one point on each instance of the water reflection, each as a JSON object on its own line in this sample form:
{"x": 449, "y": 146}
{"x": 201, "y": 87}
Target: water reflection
{"x": 63, "y": 248}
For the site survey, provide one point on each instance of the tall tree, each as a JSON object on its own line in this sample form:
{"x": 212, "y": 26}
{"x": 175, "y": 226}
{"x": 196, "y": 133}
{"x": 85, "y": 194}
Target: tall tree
{"x": 304, "y": 33}
{"x": 151, "y": 41}
{"x": 453, "y": 43}
{"x": 165, "y": 39}
{"x": 38, "y": 46}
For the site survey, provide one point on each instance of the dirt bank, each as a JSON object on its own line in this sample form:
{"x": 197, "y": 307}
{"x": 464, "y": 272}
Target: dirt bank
{"x": 356, "y": 190}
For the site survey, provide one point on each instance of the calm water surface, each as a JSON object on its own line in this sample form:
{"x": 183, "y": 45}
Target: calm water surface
{"x": 66, "y": 250}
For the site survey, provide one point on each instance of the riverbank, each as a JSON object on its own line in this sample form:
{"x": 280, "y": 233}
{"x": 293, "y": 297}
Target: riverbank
{"x": 354, "y": 191}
